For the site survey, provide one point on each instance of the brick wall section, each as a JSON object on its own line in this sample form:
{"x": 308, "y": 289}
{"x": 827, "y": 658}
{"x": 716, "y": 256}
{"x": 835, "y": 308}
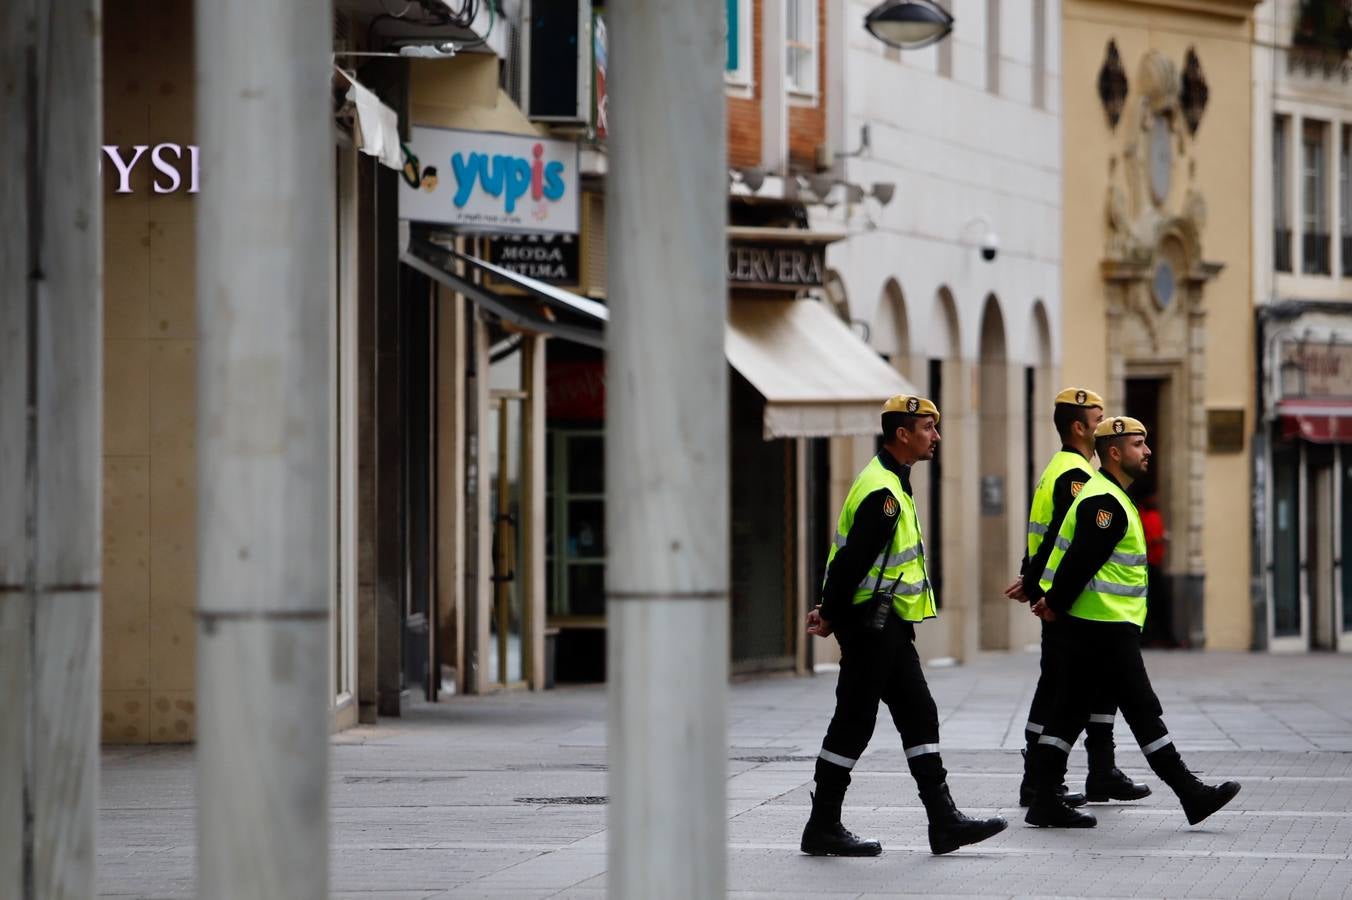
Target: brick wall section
{"x": 807, "y": 123}
{"x": 744, "y": 114}
{"x": 807, "y": 119}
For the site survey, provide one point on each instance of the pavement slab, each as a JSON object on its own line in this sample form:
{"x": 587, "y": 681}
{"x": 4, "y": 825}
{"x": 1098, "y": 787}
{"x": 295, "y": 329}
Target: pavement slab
{"x": 504, "y": 795}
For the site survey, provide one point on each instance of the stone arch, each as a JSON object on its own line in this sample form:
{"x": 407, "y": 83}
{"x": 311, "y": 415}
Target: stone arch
{"x": 997, "y": 393}
{"x": 891, "y": 328}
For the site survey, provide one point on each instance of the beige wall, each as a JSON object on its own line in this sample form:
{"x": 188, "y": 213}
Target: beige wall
{"x": 1220, "y": 33}
{"x": 150, "y": 359}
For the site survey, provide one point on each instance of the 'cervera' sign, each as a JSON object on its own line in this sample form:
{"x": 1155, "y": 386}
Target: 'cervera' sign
{"x": 775, "y": 265}
{"x": 497, "y": 182}
{"x": 170, "y": 161}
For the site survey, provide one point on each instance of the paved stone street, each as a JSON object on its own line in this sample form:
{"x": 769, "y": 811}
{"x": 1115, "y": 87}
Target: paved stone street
{"x": 500, "y": 796}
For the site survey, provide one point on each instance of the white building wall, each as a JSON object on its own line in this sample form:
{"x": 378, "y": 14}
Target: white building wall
{"x": 957, "y": 152}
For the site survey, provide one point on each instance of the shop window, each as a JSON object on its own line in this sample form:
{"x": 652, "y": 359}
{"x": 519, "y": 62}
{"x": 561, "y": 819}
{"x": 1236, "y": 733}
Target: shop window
{"x": 993, "y": 46}
{"x": 945, "y": 47}
{"x": 576, "y": 542}
{"x": 801, "y": 45}
{"x": 738, "y": 66}
{"x": 1040, "y": 54}
{"x": 1281, "y": 221}
{"x": 1345, "y": 513}
{"x": 1345, "y": 200}
{"x": 1314, "y": 200}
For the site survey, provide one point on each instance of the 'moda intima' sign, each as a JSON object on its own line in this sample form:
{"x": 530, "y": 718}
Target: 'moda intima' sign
{"x": 176, "y": 166}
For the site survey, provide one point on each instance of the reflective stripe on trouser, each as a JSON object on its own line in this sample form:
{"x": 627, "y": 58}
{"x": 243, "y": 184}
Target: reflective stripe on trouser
{"x": 880, "y": 668}
{"x": 1157, "y": 744}
{"x": 837, "y": 759}
{"x": 1099, "y": 655}
{"x": 1034, "y": 727}
{"x": 921, "y": 750}
{"x": 1101, "y": 718}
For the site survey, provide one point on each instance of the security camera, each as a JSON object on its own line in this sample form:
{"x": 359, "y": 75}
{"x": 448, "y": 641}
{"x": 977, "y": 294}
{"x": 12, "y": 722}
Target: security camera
{"x": 990, "y": 246}
{"x": 990, "y": 241}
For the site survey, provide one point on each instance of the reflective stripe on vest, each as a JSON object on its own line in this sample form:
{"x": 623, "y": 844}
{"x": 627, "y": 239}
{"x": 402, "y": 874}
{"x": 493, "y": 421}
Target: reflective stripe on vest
{"x": 1040, "y": 512}
{"x": 1117, "y": 591}
{"x": 901, "y": 566}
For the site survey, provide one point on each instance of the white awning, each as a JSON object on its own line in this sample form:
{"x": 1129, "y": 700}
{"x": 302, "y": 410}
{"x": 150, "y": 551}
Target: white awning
{"x": 817, "y": 377}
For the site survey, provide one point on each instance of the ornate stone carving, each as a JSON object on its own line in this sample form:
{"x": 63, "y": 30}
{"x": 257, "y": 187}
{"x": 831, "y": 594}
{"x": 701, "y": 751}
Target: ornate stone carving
{"x": 1112, "y": 84}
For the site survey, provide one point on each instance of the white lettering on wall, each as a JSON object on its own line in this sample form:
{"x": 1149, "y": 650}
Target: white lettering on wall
{"x": 166, "y": 158}
{"x": 124, "y": 168}
{"x": 157, "y": 159}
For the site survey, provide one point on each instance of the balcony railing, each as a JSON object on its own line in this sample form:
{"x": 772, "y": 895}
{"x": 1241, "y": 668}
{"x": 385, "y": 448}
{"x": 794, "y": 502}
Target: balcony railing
{"x": 1315, "y": 246}
{"x": 1281, "y": 249}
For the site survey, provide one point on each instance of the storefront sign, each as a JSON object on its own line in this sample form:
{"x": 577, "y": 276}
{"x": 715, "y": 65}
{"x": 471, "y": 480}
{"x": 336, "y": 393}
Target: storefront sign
{"x": 490, "y": 182}
{"x": 552, "y": 258}
{"x": 1315, "y": 369}
{"x": 170, "y": 161}
{"x": 775, "y": 265}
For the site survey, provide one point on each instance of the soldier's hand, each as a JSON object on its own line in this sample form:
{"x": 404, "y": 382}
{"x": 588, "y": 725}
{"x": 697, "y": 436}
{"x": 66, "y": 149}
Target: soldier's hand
{"x": 818, "y": 625}
{"x": 1043, "y": 611}
{"x": 1015, "y": 591}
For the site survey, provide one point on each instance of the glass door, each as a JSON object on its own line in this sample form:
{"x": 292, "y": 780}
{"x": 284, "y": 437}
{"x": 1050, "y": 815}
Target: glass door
{"x": 506, "y": 624}
{"x": 1285, "y": 592}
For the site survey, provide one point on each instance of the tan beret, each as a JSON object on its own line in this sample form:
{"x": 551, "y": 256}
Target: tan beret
{"x": 913, "y": 406}
{"x": 1118, "y": 426}
{"x": 1079, "y": 397}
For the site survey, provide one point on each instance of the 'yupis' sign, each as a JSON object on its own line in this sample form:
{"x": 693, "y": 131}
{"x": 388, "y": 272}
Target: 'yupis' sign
{"x": 490, "y": 182}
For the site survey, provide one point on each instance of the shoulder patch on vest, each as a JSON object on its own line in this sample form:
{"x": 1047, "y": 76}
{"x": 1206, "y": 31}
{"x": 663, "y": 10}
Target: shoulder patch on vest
{"x": 1076, "y": 487}
{"x": 1104, "y": 518}
{"x": 890, "y": 506}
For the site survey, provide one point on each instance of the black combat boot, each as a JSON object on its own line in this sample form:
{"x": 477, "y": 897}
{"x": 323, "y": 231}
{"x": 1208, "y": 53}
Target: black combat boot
{"x": 1027, "y": 788}
{"x": 1105, "y": 781}
{"x": 1049, "y": 811}
{"x": 825, "y": 836}
{"x": 1199, "y": 800}
{"x": 949, "y": 828}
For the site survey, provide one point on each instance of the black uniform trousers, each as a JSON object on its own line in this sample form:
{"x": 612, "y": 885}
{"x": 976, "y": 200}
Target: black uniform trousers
{"x": 1100, "y": 653}
{"x": 1055, "y": 668}
{"x": 880, "y": 666}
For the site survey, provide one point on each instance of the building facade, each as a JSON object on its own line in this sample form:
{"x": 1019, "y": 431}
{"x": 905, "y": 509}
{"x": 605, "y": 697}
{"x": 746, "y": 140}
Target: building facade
{"x": 1302, "y": 287}
{"x": 1156, "y": 254}
{"x": 956, "y": 281}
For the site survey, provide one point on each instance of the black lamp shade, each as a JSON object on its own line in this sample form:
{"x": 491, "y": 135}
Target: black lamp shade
{"x": 908, "y": 24}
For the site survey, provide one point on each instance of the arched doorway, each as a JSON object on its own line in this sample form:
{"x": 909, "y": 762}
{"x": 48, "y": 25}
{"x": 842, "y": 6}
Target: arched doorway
{"x": 993, "y": 461}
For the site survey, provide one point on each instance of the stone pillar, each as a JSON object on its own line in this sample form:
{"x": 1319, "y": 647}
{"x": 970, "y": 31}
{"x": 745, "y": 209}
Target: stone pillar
{"x": 51, "y": 445}
{"x": 265, "y": 418}
{"x": 667, "y": 452}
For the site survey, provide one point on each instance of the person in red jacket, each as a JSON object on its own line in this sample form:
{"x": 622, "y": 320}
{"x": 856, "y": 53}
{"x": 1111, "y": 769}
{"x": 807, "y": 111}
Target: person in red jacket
{"x": 1159, "y": 609}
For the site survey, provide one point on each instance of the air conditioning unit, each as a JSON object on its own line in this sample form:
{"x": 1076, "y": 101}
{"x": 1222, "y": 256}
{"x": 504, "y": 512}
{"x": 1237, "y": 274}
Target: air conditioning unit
{"x": 556, "y": 53}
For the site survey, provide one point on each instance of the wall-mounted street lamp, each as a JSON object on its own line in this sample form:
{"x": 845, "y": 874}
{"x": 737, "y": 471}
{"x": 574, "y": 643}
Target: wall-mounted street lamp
{"x": 908, "y": 24}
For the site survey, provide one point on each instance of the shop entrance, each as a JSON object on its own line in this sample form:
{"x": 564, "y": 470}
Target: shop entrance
{"x": 1320, "y": 547}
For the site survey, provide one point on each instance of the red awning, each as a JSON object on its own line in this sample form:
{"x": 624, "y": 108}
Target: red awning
{"x": 1316, "y": 421}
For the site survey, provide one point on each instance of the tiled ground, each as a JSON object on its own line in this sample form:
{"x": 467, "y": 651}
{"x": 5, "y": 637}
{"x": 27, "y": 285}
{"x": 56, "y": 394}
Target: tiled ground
{"x": 447, "y": 802}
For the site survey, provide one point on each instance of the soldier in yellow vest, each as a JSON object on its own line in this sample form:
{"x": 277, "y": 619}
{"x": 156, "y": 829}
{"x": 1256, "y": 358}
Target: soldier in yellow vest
{"x": 1095, "y": 579}
{"x": 877, "y": 587}
{"x": 1076, "y": 413}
